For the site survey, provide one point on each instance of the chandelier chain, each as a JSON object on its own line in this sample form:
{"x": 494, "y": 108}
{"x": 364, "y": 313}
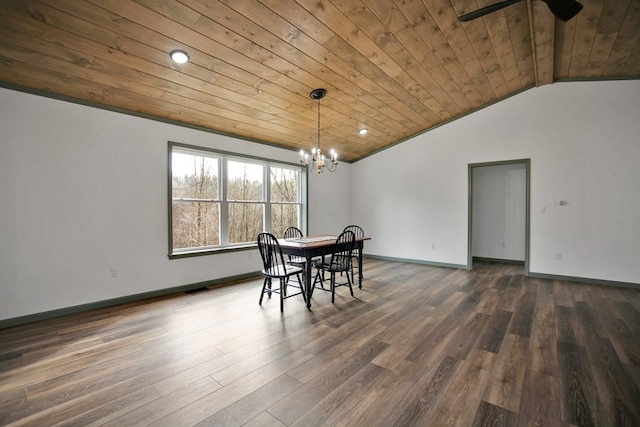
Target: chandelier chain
{"x": 318, "y": 123}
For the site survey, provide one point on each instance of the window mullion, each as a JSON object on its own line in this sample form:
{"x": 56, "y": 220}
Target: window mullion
{"x": 267, "y": 198}
{"x": 224, "y": 204}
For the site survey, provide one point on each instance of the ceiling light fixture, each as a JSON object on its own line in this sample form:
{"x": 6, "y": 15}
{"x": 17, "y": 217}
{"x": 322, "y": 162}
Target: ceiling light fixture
{"x": 318, "y": 160}
{"x": 363, "y": 131}
{"x": 179, "y": 56}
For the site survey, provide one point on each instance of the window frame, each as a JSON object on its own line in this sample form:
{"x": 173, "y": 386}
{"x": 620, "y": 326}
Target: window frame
{"x": 224, "y": 202}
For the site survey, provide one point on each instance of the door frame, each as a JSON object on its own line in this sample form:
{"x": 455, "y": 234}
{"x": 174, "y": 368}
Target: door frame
{"x": 527, "y": 166}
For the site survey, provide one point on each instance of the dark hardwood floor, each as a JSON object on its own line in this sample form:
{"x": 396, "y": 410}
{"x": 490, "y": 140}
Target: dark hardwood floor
{"x": 417, "y": 346}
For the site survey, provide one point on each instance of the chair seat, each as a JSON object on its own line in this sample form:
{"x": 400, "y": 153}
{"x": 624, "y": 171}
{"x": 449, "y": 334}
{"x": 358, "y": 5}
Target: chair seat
{"x": 337, "y": 265}
{"x": 280, "y": 271}
{"x": 297, "y": 260}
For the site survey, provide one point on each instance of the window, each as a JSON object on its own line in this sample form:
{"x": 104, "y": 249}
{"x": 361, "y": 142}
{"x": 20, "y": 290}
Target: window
{"x": 222, "y": 200}
{"x": 284, "y": 185}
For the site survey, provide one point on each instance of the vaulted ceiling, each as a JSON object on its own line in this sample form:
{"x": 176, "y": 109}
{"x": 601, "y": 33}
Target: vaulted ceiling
{"x": 395, "y": 67}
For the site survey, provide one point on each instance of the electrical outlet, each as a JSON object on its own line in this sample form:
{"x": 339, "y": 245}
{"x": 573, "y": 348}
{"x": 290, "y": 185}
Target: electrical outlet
{"x": 559, "y": 256}
{"x": 433, "y": 246}
{"x": 114, "y": 272}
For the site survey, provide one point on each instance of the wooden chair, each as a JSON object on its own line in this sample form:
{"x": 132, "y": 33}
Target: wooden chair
{"x": 359, "y": 232}
{"x": 274, "y": 267}
{"x": 292, "y": 233}
{"x": 340, "y": 262}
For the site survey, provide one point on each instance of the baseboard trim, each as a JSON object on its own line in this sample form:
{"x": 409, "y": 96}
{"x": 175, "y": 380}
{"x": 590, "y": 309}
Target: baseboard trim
{"x": 417, "y": 261}
{"x": 585, "y": 280}
{"x": 531, "y": 274}
{"x": 30, "y": 318}
{"x": 498, "y": 260}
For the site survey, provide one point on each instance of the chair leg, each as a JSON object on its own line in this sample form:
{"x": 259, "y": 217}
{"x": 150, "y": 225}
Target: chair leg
{"x": 302, "y": 289}
{"x": 264, "y": 288}
{"x": 350, "y": 287}
{"x": 333, "y": 287}
{"x": 283, "y": 290}
{"x": 351, "y": 269}
{"x": 315, "y": 279}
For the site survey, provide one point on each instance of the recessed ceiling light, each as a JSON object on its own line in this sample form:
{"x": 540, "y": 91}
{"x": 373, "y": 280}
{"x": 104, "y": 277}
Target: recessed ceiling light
{"x": 179, "y": 56}
{"x": 363, "y": 131}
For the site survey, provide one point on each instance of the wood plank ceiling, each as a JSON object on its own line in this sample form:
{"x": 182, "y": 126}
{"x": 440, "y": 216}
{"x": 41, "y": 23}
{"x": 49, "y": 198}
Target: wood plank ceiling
{"x": 395, "y": 67}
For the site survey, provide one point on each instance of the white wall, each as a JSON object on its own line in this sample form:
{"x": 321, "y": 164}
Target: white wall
{"x": 329, "y": 203}
{"x": 83, "y": 190}
{"x": 583, "y": 140}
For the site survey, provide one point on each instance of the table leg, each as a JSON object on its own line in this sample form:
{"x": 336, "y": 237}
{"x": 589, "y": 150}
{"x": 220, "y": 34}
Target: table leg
{"x": 308, "y": 283}
{"x": 360, "y": 247}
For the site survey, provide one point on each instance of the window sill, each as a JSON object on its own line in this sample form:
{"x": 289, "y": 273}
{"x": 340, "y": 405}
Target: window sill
{"x": 240, "y": 248}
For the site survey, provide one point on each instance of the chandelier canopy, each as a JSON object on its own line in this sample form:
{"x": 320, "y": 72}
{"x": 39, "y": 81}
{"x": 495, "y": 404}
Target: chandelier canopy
{"x": 318, "y": 160}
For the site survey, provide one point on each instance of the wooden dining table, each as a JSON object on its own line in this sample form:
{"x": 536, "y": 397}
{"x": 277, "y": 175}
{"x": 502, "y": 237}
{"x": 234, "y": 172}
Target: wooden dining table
{"x": 313, "y": 246}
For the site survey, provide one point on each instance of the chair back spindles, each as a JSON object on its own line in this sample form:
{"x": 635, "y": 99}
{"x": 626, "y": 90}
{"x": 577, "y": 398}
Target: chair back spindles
{"x": 341, "y": 258}
{"x": 357, "y": 230}
{"x": 270, "y": 251}
{"x": 292, "y": 233}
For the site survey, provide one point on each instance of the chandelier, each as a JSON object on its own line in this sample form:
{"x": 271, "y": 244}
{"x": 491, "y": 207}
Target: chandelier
{"x": 318, "y": 160}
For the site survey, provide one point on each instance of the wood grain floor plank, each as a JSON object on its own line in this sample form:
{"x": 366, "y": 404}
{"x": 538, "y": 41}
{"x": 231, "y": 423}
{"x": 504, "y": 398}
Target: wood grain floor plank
{"x": 382, "y": 404}
{"x": 615, "y": 388}
{"x": 630, "y": 316}
{"x": 504, "y": 388}
{"x": 495, "y": 416}
{"x": 418, "y": 345}
{"x": 578, "y": 395}
{"x": 540, "y": 402}
{"x": 101, "y": 413}
{"x": 164, "y": 405}
{"x": 523, "y": 315}
{"x": 338, "y": 404}
{"x": 563, "y": 294}
{"x": 92, "y": 376}
{"x": 329, "y": 359}
{"x": 494, "y": 331}
{"x": 402, "y": 338}
{"x": 462, "y": 398}
{"x": 420, "y": 403}
{"x": 264, "y": 419}
{"x": 313, "y": 391}
{"x": 254, "y": 403}
{"x": 566, "y": 324}
{"x": 510, "y": 297}
{"x": 212, "y": 403}
{"x": 543, "y": 355}
{"x": 467, "y": 334}
{"x": 443, "y": 331}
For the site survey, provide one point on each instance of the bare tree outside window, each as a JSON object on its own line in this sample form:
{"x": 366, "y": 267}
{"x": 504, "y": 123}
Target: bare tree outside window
{"x": 245, "y": 195}
{"x": 212, "y": 209}
{"x": 285, "y": 208}
{"x": 195, "y": 201}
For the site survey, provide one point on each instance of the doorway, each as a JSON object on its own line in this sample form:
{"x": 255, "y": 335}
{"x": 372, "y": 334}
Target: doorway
{"x": 499, "y": 194}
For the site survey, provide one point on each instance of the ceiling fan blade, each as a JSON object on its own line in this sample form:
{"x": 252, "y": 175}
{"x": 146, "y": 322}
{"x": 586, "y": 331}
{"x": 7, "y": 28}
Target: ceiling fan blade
{"x": 487, "y": 9}
{"x": 564, "y": 9}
